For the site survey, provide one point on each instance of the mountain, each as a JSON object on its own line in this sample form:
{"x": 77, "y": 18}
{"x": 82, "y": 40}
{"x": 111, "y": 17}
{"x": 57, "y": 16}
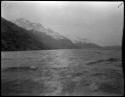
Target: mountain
{"x": 46, "y": 34}
{"x": 48, "y": 37}
{"x": 22, "y": 34}
{"x": 15, "y": 38}
{"x": 37, "y": 27}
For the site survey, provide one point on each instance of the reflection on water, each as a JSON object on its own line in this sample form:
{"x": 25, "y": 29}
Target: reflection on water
{"x": 62, "y": 72}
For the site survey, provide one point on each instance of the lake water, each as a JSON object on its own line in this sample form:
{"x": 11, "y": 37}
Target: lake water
{"x": 64, "y": 72}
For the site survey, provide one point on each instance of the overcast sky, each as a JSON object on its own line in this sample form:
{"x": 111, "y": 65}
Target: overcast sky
{"x": 99, "y": 22}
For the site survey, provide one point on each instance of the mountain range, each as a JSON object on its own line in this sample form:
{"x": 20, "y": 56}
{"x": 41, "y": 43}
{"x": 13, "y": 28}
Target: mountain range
{"x": 21, "y": 34}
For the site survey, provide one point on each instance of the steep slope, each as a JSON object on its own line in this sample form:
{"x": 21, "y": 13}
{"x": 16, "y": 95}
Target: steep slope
{"x": 47, "y": 36}
{"x": 16, "y": 38}
{"x": 51, "y": 37}
{"x": 37, "y": 27}
{"x": 24, "y": 35}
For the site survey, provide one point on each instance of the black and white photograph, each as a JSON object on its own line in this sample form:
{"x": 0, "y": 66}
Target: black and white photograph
{"x": 62, "y": 48}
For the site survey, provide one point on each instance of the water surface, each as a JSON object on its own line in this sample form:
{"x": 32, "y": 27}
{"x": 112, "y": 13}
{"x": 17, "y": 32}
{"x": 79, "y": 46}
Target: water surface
{"x": 62, "y": 72}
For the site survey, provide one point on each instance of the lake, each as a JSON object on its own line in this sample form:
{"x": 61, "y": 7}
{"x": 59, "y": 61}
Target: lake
{"x": 63, "y": 72}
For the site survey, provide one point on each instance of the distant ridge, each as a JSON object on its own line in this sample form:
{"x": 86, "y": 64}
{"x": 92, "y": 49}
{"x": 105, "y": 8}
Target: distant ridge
{"x": 115, "y": 47}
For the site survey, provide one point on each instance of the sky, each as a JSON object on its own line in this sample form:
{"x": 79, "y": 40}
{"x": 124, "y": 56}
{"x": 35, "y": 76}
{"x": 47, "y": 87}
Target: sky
{"x": 99, "y": 22}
